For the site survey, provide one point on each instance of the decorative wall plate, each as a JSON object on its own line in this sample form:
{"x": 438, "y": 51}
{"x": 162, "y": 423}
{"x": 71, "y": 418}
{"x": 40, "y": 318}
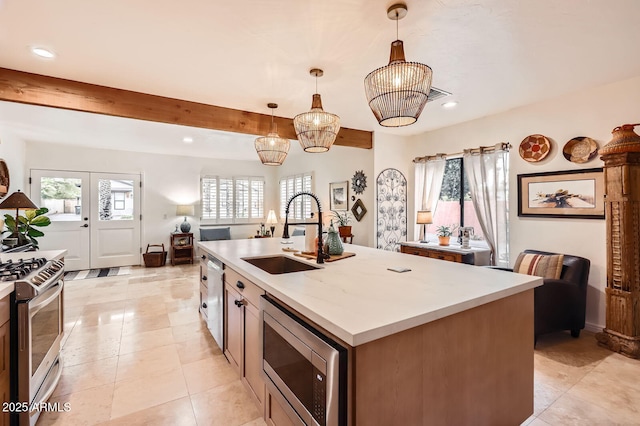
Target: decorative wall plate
{"x": 580, "y": 149}
{"x": 359, "y": 210}
{"x": 358, "y": 182}
{"x": 534, "y": 148}
{"x": 4, "y": 178}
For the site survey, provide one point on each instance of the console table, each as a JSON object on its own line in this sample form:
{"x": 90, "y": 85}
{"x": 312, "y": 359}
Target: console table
{"x": 452, "y": 253}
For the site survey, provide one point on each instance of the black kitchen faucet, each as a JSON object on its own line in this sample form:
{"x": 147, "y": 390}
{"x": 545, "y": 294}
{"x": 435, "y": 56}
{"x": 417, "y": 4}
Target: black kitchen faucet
{"x": 285, "y": 234}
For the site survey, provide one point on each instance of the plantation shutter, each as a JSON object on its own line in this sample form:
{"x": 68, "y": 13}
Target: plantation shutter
{"x": 226, "y": 199}
{"x": 209, "y": 197}
{"x": 257, "y": 199}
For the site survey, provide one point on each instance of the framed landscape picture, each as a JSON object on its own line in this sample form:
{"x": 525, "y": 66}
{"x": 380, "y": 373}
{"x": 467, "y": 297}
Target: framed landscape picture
{"x": 570, "y": 194}
{"x": 338, "y": 193}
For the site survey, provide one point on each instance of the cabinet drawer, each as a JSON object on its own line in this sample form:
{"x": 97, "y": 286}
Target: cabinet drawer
{"x": 250, "y": 291}
{"x": 416, "y": 251}
{"x": 444, "y": 256}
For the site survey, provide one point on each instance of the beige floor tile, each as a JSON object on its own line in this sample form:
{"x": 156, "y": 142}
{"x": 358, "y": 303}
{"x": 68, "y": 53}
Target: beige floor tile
{"x": 87, "y": 407}
{"x": 184, "y": 317}
{"x": 80, "y": 354}
{"x": 202, "y": 347}
{"x": 570, "y": 410}
{"x": 146, "y": 340}
{"x": 227, "y": 405}
{"x": 558, "y": 374}
{"x": 146, "y": 306}
{"x": 208, "y": 373}
{"x": 141, "y": 364}
{"x": 544, "y": 396}
{"x": 130, "y": 396}
{"x": 140, "y": 323}
{"x": 173, "y": 413}
{"x": 538, "y": 422}
{"x": 189, "y": 331}
{"x": 89, "y": 375}
{"x": 256, "y": 422}
{"x": 82, "y": 336}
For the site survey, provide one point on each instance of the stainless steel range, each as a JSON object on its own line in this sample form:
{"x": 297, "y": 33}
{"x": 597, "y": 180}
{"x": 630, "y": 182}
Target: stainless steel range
{"x": 36, "y": 333}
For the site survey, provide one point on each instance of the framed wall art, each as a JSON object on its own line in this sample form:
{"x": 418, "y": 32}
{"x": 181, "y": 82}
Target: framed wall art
{"x": 338, "y": 193}
{"x": 358, "y": 209}
{"x": 563, "y": 194}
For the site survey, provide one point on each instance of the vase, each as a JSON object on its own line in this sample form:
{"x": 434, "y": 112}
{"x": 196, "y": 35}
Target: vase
{"x": 443, "y": 241}
{"x": 334, "y": 242}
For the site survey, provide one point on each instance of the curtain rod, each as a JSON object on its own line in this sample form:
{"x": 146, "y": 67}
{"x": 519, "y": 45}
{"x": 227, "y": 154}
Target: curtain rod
{"x": 499, "y": 146}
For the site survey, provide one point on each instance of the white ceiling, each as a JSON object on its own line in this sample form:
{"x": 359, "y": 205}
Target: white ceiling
{"x": 493, "y": 55}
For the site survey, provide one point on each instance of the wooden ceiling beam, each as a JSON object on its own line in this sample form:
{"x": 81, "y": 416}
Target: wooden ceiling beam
{"x": 36, "y": 89}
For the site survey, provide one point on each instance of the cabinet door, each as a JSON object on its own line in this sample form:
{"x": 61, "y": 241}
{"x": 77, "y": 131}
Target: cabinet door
{"x": 253, "y": 353}
{"x": 233, "y": 324}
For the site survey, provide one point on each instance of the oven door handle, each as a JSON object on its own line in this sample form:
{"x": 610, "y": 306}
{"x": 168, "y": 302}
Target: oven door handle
{"x": 38, "y": 304}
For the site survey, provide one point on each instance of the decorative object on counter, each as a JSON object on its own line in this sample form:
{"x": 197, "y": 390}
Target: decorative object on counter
{"x": 444, "y": 233}
{"x": 391, "y": 195}
{"x": 23, "y": 227}
{"x": 358, "y": 182}
{"x": 338, "y": 195}
{"x": 344, "y": 255}
{"x": 624, "y": 140}
{"x": 316, "y": 130}
{"x": 465, "y": 232}
{"x": 580, "y": 150}
{"x": 534, "y": 148}
{"x": 358, "y": 209}
{"x": 185, "y": 210}
{"x": 153, "y": 259}
{"x": 398, "y": 92}
{"x": 272, "y": 149}
{"x": 563, "y": 194}
{"x": 333, "y": 241}
{"x": 424, "y": 218}
{"x": 343, "y": 222}
{"x": 271, "y": 221}
{"x": 621, "y": 158}
{"x": 4, "y": 179}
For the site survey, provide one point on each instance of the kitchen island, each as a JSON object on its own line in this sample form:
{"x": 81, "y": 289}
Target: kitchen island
{"x": 443, "y": 343}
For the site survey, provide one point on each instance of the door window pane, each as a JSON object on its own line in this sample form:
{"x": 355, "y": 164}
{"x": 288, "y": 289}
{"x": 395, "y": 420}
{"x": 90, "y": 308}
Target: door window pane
{"x": 115, "y": 199}
{"x": 62, "y": 197}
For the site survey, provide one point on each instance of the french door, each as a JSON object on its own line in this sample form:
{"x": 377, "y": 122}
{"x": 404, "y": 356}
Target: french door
{"x": 94, "y": 216}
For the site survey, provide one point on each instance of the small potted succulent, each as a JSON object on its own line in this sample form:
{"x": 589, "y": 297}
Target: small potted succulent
{"x": 343, "y": 219}
{"x": 444, "y": 233}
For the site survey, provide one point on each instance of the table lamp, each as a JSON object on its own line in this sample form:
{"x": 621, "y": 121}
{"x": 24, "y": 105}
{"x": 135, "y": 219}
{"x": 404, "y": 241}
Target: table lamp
{"x": 185, "y": 210}
{"x": 272, "y": 220}
{"x": 17, "y": 201}
{"x": 424, "y": 218}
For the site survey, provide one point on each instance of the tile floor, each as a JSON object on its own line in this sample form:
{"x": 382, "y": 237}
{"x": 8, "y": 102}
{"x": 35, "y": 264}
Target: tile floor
{"x": 136, "y": 353}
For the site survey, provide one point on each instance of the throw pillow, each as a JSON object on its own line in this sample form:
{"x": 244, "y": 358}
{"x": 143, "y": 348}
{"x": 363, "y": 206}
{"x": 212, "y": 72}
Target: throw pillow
{"x": 541, "y": 265}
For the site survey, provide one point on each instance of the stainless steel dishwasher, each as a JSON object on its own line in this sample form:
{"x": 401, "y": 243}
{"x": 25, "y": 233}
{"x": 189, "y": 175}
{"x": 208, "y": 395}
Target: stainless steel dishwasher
{"x": 215, "y": 286}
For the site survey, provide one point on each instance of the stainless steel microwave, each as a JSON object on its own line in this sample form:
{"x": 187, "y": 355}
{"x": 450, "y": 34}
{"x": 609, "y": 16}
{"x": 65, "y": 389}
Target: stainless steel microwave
{"x": 305, "y": 370}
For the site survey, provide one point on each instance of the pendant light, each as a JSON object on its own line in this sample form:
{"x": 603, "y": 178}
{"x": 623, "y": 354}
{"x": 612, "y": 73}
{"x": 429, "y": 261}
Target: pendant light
{"x": 398, "y": 92}
{"x": 272, "y": 149}
{"x": 316, "y": 130}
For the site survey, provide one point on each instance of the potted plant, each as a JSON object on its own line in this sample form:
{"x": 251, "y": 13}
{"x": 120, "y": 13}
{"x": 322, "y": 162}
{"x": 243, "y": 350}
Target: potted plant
{"x": 444, "y": 233}
{"x": 343, "y": 219}
{"x": 24, "y": 230}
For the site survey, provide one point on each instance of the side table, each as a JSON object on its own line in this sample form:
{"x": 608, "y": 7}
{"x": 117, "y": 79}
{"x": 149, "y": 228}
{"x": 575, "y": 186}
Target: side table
{"x": 181, "y": 248}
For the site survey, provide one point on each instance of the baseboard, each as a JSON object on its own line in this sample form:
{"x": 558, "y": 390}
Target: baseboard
{"x": 594, "y": 328}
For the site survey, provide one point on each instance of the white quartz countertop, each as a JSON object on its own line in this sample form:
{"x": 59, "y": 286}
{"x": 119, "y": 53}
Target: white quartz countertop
{"x": 359, "y": 300}
{"x": 6, "y": 287}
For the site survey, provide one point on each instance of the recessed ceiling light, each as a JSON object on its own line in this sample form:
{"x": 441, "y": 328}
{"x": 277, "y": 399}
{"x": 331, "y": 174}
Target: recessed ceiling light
{"x": 187, "y": 139}
{"x": 43, "y": 53}
{"x": 450, "y": 104}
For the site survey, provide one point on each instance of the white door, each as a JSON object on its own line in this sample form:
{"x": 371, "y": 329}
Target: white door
{"x": 66, "y": 195}
{"x": 115, "y": 220}
{"x": 94, "y": 216}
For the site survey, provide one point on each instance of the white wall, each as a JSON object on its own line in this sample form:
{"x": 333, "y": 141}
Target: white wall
{"x": 593, "y": 113}
{"x": 167, "y": 181}
{"x": 338, "y": 164}
{"x": 12, "y": 151}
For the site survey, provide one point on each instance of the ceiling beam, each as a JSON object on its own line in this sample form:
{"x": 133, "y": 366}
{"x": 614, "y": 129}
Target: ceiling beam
{"x": 36, "y": 89}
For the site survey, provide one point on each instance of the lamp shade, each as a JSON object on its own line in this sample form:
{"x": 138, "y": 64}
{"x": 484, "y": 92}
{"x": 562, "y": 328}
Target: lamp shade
{"x": 271, "y": 218}
{"x": 272, "y": 149}
{"x": 17, "y": 200}
{"x": 185, "y": 210}
{"x": 424, "y": 217}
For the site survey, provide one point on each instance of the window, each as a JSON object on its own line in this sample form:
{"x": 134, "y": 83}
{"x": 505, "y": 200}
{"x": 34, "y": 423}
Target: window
{"x": 290, "y": 185}
{"x": 454, "y": 205}
{"x": 118, "y": 200}
{"x": 232, "y": 199}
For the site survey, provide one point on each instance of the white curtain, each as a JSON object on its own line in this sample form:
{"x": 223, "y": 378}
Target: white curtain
{"x": 428, "y": 173}
{"x": 487, "y": 170}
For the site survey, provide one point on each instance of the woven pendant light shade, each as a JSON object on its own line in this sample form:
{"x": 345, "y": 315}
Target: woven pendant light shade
{"x": 398, "y": 92}
{"x": 272, "y": 149}
{"x": 316, "y": 130}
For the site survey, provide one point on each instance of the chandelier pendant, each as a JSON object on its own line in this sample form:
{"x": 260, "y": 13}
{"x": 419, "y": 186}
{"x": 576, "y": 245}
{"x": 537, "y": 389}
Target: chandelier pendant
{"x": 316, "y": 130}
{"x": 398, "y": 92}
{"x": 272, "y": 149}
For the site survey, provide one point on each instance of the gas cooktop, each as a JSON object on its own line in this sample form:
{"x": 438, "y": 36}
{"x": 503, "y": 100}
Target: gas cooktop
{"x": 11, "y": 271}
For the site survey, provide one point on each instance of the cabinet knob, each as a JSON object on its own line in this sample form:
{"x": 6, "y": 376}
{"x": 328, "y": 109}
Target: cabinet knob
{"x": 203, "y": 257}
{"x": 239, "y": 303}
{"x": 204, "y": 278}
{"x": 204, "y": 305}
{"x": 240, "y": 284}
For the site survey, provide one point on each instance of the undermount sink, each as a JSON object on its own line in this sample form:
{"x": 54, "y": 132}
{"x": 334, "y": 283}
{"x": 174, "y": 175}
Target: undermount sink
{"x": 279, "y": 264}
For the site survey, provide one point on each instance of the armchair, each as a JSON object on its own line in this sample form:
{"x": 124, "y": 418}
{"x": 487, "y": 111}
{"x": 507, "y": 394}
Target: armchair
{"x": 560, "y": 304}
